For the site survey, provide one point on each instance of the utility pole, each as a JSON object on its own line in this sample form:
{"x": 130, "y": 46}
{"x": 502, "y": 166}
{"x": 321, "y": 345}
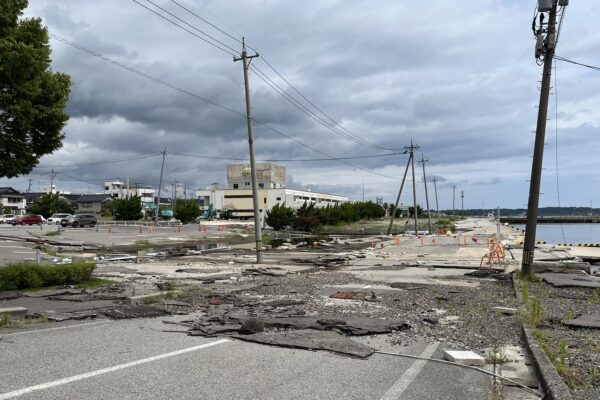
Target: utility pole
{"x": 29, "y": 186}
{"x": 437, "y": 207}
{"x": 52, "y": 176}
{"x": 173, "y": 189}
{"x": 363, "y": 189}
{"x": 462, "y": 203}
{"x": 423, "y": 161}
{"x": 544, "y": 47}
{"x": 400, "y": 191}
{"x": 453, "y": 199}
{"x": 162, "y": 166}
{"x": 246, "y": 60}
{"x": 413, "y": 148}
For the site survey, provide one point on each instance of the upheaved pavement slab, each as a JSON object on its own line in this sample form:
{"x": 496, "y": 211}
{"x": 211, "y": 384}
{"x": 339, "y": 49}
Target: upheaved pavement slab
{"x": 311, "y": 340}
{"x": 15, "y": 312}
{"x": 573, "y": 280}
{"x": 585, "y": 321}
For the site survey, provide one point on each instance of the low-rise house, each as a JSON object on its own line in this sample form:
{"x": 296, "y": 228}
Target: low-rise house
{"x": 92, "y": 203}
{"x": 12, "y": 200}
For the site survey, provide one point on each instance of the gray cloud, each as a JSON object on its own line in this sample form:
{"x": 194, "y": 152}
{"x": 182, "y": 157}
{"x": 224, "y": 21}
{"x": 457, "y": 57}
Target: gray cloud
{"x": 462, "y": 86}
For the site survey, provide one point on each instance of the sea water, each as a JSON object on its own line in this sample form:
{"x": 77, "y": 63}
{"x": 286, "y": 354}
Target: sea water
{"x": 573, "y": 233}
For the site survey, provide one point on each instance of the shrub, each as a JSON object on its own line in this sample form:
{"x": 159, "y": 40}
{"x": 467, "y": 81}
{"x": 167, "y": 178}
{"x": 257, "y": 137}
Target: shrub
{"x": 30, "y": 276}
{"x": 279, "y": 217}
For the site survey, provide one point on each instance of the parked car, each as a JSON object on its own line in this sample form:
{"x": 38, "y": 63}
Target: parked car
{"x": 29, "y": 219}
{"x": 78, "y": 220}
{"x": 7, "y": 218}
{"x": 56, "y": 218}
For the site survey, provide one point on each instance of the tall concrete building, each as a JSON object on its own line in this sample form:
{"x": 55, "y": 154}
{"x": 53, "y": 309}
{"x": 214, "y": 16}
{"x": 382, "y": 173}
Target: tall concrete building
{"x": 237, "y": 198}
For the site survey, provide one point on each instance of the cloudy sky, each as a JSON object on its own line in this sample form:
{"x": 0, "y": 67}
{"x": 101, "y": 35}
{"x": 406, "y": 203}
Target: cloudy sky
{"x": 457, "y": 77}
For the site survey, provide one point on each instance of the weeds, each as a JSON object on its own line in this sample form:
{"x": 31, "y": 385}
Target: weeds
{"x": 570, "y": 315}
{"x": 5, "y": 321}
{"x": 54, "y": 233}
{"x": 142, "y": 242}
{"x": 535, "y": 311}
{"x": 595, "y": 376}
{"x": 595, "y": 296}
{"x": 525, "y": 291}
{"x": 496, "y": 356}
{"x": 562, "y": 352}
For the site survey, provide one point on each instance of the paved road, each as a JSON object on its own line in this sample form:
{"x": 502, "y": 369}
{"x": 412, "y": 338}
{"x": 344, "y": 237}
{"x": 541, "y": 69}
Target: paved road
{"x": 134, "y": 359}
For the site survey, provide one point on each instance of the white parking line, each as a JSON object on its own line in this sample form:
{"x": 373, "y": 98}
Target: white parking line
{"x": 64, "y": 381}
{"x": 54, "y": 329}
{"x": 409, "y": 375}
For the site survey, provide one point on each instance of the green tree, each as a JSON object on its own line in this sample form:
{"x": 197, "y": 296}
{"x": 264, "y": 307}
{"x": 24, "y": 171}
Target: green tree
{"x": 127, "y": 209}
{"x": 306, "y": 218}
{"x": 280, "y": 217}
{"x": 186, "y": 210}
{"x": 49, "y": 204}
{"x": 32, "y": 97}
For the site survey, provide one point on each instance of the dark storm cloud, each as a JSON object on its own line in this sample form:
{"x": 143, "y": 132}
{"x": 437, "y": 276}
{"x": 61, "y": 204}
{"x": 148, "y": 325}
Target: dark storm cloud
{"x": 460, "y": 81}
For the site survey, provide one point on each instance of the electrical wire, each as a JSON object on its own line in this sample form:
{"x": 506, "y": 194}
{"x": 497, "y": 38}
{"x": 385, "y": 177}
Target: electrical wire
{"x": 562, "y": 229}
{"x": 207, "y": 22}
{"x": 302, "y": 107}
{"x": 140, "y": 157}
{"x": 284, "y": 159}
{"x": 576, "y": 63}
{"x": 332, "y": 122}
{"x": 185, "y": 29}
{"x": 191, "y": 94}
{"x": 194, "y": 28}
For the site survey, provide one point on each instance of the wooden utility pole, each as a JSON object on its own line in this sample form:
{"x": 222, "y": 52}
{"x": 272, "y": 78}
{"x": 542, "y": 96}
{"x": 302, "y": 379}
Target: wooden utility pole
{"x": 423, "y": 161}
{"x": 413, "y": 148}
{"x": 389, "y": 231}
{"x": 246, "y": 60}
{"x": 162, "y": 166}
{"x": 462, "y": 203}
{"x": 437, "y": 207}
{"x": 545, "y": 47}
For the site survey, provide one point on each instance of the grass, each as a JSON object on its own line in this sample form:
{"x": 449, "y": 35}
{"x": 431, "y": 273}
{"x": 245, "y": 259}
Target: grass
{"x": 142, "y": 242}
{"x": 7, "y": 322}
{"x": 93, "y": 283}
{"x": 525, "y": 291}
{"x": 30, "y": 275}
{"x": 50, "y": 252}
{"x": 496, "y": 356}
{"x": 54, "y": 233}
{"x": 595, "y": 296}
{"x": 535, "y": 311}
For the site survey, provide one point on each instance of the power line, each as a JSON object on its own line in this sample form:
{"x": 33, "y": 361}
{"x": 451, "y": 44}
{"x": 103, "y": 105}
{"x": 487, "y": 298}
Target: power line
{"x": 185, "y": 29}
{"x": 191, "y": 94}
{"x": 284, "y": 159}
{"x": 576, "y": 63}
{"x": 193, "y": 27}
{"x": 332, "y": 122}
{"x": 302, "y": 107}
{"x": 207, "y": 22}
{"x": 102, "y": 162}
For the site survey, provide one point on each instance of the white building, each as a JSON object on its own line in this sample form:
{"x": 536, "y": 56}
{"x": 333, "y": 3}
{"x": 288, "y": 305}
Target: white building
{"x": 119, "y": 190}
{"x": 237, "y": 199}
{"x": 12, "y": 201}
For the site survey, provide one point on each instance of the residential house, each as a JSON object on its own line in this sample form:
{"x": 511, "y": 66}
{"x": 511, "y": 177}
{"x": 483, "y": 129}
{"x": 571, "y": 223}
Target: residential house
{"x": 12, "y": 201}
{"x": 92, "y": 203}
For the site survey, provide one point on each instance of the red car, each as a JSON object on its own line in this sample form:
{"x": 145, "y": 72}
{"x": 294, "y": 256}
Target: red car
{"x": 29, "y": 219}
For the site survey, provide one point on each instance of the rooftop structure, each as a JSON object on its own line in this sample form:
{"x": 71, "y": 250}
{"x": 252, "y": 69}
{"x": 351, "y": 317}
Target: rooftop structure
{"x": 268, "y": 176}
